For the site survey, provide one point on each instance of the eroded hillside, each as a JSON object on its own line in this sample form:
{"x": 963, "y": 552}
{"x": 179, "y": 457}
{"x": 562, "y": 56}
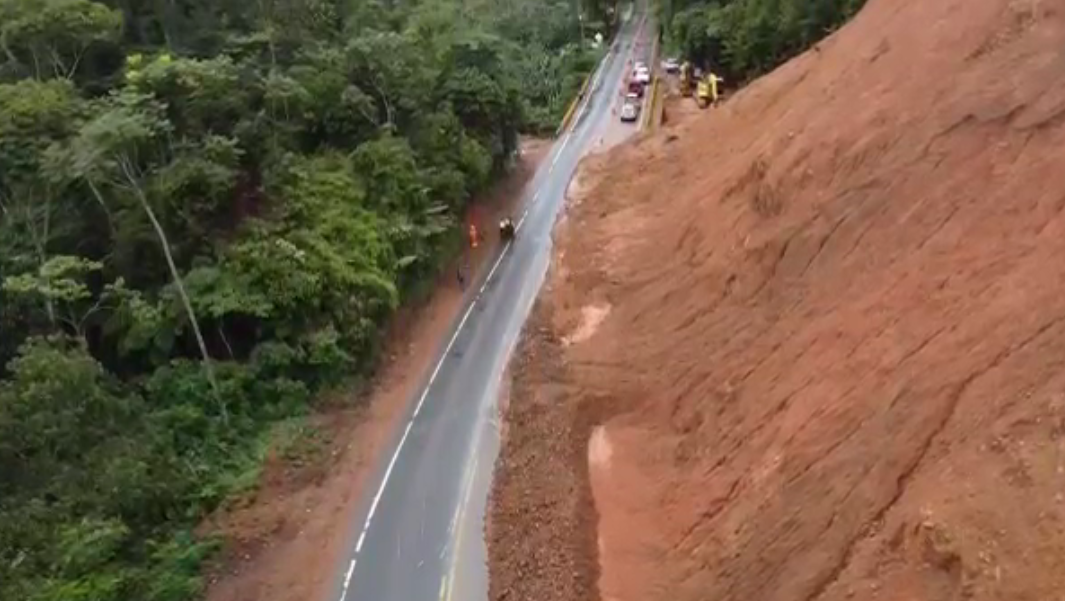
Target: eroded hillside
{"x": 811, "y": 345}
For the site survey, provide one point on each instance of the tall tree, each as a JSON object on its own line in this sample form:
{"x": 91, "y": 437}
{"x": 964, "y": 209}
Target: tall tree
{"x": 51, "y": 36}
{"x": 113, "y": 152}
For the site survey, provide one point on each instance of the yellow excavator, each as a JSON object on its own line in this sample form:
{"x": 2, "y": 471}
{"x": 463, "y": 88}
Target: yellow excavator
{"x": 686, "y": 79}
{"x": 706, "y": 87}
{"x": 707, "y": 92}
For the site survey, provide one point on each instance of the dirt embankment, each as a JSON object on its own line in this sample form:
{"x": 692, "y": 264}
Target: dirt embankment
{"x": 811, "y": 345}
{"x": 284, "y": 541}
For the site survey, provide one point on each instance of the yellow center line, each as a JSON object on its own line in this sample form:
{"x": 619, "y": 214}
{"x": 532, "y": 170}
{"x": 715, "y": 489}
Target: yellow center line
{"x": 457, "y": 525}
{"x": 445, "y": 588}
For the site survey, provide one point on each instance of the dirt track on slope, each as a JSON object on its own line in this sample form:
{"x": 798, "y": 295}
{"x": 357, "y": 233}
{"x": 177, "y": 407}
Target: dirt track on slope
{"x": 832, "y": 360}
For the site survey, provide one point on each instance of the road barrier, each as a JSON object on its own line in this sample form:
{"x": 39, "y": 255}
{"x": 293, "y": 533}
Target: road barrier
{"x": 651, "y": 118}
{"x": 650, "y": 113}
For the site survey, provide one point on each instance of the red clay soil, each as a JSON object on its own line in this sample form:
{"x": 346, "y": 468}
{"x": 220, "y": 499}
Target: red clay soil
{"x": 284, "y": 542}
{"x": 822, "y": 329}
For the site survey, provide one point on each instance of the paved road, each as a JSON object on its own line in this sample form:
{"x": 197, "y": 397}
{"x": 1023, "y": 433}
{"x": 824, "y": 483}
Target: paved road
{"x": 419, "y": 537}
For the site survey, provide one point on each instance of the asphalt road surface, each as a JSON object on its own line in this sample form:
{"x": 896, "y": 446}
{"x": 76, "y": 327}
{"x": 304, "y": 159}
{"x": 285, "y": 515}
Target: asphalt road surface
{"x": 419, "y": 534}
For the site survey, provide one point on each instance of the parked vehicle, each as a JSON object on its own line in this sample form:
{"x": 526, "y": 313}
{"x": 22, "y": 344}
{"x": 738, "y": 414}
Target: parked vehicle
{"x": 630, "y": 110}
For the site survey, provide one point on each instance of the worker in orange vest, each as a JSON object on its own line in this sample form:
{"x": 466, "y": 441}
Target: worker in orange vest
{"x": 473, "y": 236}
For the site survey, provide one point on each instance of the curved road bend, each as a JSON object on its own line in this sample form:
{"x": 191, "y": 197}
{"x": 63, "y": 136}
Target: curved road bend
{"x": 419, "y": 537}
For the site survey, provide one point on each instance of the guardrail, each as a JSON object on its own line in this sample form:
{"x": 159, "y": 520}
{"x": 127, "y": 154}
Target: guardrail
{"x": 651, "y": 118}
{"x": 645, "y": 117}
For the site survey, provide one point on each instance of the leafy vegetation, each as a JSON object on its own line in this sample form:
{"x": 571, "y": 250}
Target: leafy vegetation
{"x": 208, "y": 211}
{"x": 745, "y": 38}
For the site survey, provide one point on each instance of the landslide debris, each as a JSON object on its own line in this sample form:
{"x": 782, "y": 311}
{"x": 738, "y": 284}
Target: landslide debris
{"x": 834, "y": 361}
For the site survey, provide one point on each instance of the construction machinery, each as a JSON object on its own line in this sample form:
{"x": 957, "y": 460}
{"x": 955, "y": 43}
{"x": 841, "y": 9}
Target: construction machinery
{"x": 686, "y": 79}
{"x": 507, "y": 230}
{"x": 703, "y": 93}
{"x": 705, "y": 86}
{"x": 707, "y": 92}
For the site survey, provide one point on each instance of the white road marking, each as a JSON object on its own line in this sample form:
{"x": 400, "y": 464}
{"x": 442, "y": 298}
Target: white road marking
{"x": 347, "y": 580}
{"x": 469, "y": 484}
{"x": 421, "y": 533}
{"x": 421, "y": 400}
{"x": 517, "y": 228}
{"x": 558, "y": 154}
{"x": 381, "y": 490}
{"x": 351, "y": 570}
{"x": 451, "y": 343}
{"x": 494, "y": 268}
{"x": 459, "y": 517}
{"x": 447, "y": 349}
{"x": 584, "y": 106}
{"x": 467, "y": 477}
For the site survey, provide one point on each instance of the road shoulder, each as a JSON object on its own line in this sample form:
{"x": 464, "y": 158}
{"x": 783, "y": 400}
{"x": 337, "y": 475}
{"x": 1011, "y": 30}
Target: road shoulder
{"x": 541, "y": 472}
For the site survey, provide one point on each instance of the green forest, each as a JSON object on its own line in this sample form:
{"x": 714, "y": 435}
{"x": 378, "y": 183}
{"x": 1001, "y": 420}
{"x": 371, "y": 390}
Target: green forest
{"x": 742, "y": 39}
{"x": 209, "y": 211}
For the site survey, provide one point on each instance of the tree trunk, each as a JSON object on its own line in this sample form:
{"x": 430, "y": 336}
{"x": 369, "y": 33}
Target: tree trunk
{"x": 165, "y": 244}
{"x": 39, "y": 242}
{"x": 38, "y": 238}
{"x": 103, "y": 205}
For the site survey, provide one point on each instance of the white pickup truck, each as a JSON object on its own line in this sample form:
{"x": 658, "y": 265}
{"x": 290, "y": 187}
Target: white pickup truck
{"x": 630, "y": 110}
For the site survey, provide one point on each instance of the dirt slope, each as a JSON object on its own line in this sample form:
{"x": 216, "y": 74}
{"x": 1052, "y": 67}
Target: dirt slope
{"x": 823, "y": 330}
